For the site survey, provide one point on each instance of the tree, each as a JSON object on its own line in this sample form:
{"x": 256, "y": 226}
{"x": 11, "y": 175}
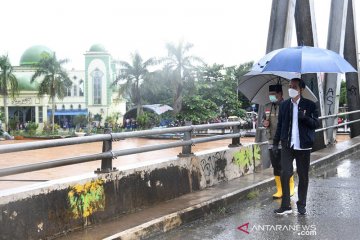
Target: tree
{"x": 134, "y": 73}
{"x": 8, "y": 84}
{"x": 198, "y": 110}
{"x": 343, "y": 99}
{"x": 55, "y": 79}
{"x": 182, "y": 63}
{"x": 219, "y": 84}
{"x": 158, "y": 89}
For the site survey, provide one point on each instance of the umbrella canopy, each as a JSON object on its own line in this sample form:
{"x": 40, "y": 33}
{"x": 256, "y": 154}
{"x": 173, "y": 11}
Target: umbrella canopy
{"x": 303, "y": 60}
{"x": 255, "y": 86}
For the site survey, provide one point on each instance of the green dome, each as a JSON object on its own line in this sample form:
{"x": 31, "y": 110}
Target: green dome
{"x": 97, "y": 48}
{"x": 33, "y": 55}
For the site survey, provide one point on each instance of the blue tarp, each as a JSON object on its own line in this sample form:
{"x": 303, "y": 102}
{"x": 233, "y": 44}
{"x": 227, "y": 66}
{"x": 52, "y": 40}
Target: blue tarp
{"x": 69, "y": 112}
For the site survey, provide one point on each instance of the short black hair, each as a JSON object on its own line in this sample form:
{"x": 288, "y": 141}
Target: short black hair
{"x": 300, "y": 81}
{"x": 275, "y": 88}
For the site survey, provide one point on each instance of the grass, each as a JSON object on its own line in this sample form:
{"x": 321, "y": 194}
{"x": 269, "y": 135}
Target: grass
{"x": 252, "y": 194}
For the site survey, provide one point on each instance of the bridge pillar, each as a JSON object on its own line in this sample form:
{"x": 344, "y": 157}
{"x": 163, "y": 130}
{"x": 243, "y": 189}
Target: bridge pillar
{"x": 352, "y": 79}
{"x": 186, "y": 150}
{"x": 335, "y": 42}
{"x": 306, "y": 34}
{"x": 106, "y": 163}
{"x": 279, "y": 36}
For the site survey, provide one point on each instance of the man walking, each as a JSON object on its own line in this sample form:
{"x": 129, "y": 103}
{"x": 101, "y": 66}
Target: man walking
{"x": 297, "y": 121}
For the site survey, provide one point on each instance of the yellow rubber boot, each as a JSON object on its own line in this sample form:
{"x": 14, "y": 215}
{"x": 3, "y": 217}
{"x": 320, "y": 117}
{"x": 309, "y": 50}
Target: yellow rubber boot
{"x": 292, "y": 186}
{"x": 278, "y": 193}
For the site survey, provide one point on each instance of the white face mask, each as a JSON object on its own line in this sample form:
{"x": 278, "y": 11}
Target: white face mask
{"x": 293, "y": 93}
{"x": 272, "y": 98}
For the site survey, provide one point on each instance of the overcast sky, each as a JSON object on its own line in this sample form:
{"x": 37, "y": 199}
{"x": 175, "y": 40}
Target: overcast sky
{"x": 222, "y": 31}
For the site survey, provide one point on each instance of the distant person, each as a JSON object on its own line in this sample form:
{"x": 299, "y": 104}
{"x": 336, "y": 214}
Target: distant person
{"x": 270, "y": 123}
{"x": 297, "y": 121}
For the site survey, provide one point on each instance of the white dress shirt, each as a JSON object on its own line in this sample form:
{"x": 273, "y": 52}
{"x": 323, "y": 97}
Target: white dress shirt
{"x": 295, "y": 137}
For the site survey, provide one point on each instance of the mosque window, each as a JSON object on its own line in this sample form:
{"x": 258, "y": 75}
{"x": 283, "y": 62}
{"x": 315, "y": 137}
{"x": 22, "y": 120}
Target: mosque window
{"x": 71, "y": 107}
{"x": 97, "y": 75}
{"x": 40, "y": 114}
{"x": 68, "y": 92}
{"x": 79, "y": 106}
{"x": 63, "y": 107}
{"x": 81, "y": 88}
{"x": 75, "y": 91}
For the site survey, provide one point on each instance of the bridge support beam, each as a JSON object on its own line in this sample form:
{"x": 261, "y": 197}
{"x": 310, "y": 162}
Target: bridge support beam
{"x": 279, "y": 36}
{"x": 306, "y": 34}
{"x": 335, "y": 42}
{"x": 352, "y": 79}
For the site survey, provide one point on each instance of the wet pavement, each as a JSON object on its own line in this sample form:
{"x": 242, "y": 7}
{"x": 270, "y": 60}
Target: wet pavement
{"x": 41, "y": 155}
{"x": 332, "y": 212}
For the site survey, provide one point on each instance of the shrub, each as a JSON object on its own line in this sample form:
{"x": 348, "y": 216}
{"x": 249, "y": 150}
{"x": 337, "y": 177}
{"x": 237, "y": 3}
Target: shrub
{"x": 31, "y": 128}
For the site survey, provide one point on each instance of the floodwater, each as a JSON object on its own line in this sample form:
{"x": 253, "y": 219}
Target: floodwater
{"x": 42, "y": 155}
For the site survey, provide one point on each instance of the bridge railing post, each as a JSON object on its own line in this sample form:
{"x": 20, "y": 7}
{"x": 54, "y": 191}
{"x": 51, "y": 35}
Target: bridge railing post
{"x": 235, "y": 142}
{"x": 106, "y": 163}
{"x": 186, "y": 150}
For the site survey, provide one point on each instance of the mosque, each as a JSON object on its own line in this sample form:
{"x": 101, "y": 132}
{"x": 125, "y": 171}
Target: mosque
{"x": 90, "y": 94}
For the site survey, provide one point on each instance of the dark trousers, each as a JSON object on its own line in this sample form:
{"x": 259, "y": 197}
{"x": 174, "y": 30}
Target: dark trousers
{"x": 275, "y": 158}
{"x": 302, "y": 158}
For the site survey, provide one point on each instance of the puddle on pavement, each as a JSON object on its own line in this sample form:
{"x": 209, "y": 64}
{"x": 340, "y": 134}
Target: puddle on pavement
{"x": 342, "y": 170}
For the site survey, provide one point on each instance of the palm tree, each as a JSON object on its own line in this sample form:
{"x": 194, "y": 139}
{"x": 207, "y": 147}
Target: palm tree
{"x": 55, "y": 80}
{"x": 134, "y": 74}
{"x": 182, "y": 63}
{"x": 8, "y": 84}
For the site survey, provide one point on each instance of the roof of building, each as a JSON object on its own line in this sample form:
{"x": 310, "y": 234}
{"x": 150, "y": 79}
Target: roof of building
{"x": 97, "y": 48}
{"x": 33, "y": 55}
{"x": 24, "y": 81}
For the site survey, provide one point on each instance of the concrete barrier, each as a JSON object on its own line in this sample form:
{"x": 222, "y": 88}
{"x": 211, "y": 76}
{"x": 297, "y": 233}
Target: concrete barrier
{"x": 53, "y": 208}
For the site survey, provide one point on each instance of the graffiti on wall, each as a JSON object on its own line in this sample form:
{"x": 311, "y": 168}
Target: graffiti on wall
{"x": 214, "y": 165}
{"x": 247, "y": 156}
{"x": 330, "y": 99}
{"x": 85, "y": 199}
{"x": 352, "y": 90}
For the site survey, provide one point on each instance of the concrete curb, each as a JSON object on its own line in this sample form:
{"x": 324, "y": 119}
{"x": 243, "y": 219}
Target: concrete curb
{"x": 173, "y": 220}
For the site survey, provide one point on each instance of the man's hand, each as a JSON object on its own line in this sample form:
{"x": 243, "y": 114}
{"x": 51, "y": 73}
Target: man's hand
{"x": 275, "y": 147}
{"x": 301, "y": 115}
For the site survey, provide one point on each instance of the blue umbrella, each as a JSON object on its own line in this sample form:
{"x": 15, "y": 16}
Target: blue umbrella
{"x": 303, "y": 60}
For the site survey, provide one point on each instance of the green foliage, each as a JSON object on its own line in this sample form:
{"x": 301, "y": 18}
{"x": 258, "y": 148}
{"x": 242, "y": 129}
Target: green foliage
{"x": 48, "y": 130}
{"x": 80, "y": 121}
{"x": 12, "y": 123}
{"x": 159, "y": 88}
{"x": 147, "y": 120}
{"x": 98, "y": 117}
{"x": 55, "y": 79}
{"x": 253, "y": 194}
{"x": 133, "y": 74}
{"x": 31, "y": 128}
{"x": 198, "y": 110}
{"x": 182, "y": 64}
{"x": 219, "y": 85}
{"x": 343, "y": 97}
{"x": 8, "y": 81}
